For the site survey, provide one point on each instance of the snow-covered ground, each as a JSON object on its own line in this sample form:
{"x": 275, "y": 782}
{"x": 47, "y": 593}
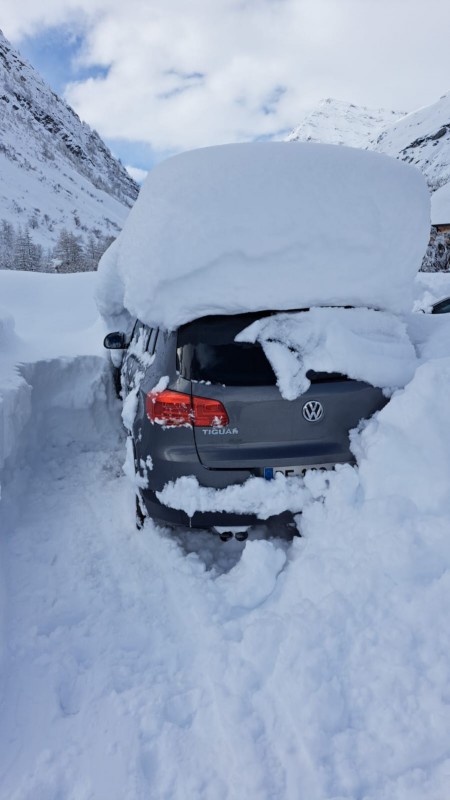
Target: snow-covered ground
{"x": 147, "y": 665}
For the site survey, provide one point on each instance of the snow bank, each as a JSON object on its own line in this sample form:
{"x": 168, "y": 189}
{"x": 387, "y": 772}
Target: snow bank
{"x": 46, "y": 317}
{"x": 411, "y": 435}
{"x": 367, "y": 345}
{"x": 268, "y": 225}
{"x": 53, "y": 314}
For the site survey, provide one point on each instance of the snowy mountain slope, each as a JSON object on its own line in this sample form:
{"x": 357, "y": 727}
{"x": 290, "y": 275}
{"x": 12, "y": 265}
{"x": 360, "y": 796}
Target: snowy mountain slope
{"x": 55, "y": 172}
{"x": 422, "y": 138}
{"x": 147, "y": 664}
{"x": 338, "y": 122}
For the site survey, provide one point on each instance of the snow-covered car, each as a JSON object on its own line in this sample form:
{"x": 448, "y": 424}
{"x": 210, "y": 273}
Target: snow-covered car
{"x": 261, "y": 283}
{"x": 209, "y": 406}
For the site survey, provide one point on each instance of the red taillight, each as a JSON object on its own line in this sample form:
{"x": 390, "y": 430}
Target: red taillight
{"x": 169, "y": 408}
{"x": 172, "y": 409}
{"x": 209, "y": 413}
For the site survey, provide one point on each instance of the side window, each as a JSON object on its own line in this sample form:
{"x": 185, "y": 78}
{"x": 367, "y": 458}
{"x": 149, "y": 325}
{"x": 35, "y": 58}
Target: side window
{"x": 152, "y": 340}
{"x": 139, "y": 339}
{"x": 443, "y": 307}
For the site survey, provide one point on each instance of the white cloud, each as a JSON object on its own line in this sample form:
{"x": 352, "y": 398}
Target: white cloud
{"x": 137, "y": 174}
{"x": 183, "y": 75}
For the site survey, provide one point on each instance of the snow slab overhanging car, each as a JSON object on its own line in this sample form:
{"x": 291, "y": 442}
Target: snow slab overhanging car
{"x": 218, "y": 239}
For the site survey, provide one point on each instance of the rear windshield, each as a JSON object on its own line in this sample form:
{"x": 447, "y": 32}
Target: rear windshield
{"x": 206, "y": 351}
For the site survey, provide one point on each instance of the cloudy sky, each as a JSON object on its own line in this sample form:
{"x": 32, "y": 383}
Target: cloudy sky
{"x": 158, "y": 76}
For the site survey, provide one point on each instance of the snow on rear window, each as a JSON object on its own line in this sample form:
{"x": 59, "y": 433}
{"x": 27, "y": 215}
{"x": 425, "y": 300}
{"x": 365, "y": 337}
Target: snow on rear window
{"x": 367, "y": 345}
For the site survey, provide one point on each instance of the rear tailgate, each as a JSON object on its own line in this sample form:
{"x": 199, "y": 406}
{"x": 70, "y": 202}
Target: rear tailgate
{"x": 264, "y": 430}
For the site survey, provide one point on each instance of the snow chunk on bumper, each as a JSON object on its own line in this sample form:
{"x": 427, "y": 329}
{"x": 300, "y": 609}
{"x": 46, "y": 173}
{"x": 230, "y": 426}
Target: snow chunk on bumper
{"x": 255, "y": 496}
{"x": 268, "y": 225}
{"x": 366, "y": 345}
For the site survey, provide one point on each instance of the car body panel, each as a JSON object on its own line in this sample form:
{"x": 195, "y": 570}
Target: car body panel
{"x": 265, "y": 429}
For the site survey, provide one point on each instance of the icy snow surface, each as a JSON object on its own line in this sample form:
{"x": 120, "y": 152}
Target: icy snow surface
{"x": 138, "y": 665}
{"x": 270, "y": 225}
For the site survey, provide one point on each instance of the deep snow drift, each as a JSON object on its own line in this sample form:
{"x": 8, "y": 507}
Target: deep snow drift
{"x": 139, "y": 664}
{"x": 270, "y": 225}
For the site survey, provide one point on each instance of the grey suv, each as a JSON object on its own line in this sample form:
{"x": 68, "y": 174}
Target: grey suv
{"x": 218, "y": 415}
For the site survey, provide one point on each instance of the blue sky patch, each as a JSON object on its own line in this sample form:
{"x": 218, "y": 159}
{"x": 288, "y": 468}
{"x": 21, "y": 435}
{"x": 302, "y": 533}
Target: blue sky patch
{"x": 53, "y": 52}
{"x": 272, "y": 100}
{"x": 136, "y": 154}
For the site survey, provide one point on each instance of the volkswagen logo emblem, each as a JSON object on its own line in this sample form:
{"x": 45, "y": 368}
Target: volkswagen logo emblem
{"x": 313, "y": 411}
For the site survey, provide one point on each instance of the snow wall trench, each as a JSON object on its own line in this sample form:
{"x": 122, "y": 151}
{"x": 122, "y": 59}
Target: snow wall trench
{"x": 65, "y": 402}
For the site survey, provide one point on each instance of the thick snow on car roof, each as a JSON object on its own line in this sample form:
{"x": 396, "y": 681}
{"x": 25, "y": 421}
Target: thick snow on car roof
{"x": 268, "y": 225}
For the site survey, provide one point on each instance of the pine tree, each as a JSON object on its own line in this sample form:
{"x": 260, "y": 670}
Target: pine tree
{"x": 23, "y": 250}
{"x": 68, "y": 252}
{"x": 7, "y": 244}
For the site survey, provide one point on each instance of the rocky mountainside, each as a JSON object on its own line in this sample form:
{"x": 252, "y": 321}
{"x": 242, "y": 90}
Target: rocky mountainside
{"x": 63, "y": 196}
{"x": 338, "y": 122}
{"x": 422, "y": 138}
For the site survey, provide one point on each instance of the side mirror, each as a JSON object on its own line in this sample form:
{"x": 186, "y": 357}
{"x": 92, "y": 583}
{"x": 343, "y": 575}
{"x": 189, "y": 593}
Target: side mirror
{"x": 115, "y": 341}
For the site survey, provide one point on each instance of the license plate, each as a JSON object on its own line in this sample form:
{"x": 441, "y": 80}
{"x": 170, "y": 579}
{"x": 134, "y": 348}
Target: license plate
{"x": 292, "y": 472}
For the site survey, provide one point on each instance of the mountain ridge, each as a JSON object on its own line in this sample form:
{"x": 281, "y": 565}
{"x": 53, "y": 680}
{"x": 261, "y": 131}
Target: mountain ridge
{"x": 339, "y": 122}
{"x": 422, "y": 138}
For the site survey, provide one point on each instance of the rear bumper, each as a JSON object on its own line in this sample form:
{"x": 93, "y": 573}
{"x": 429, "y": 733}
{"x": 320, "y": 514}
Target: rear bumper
{"x": 217, "y": 479}
{"x": 172, "y": 516}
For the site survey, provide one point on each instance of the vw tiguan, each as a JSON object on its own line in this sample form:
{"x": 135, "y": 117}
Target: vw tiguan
{"x": 209, "y": 406}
